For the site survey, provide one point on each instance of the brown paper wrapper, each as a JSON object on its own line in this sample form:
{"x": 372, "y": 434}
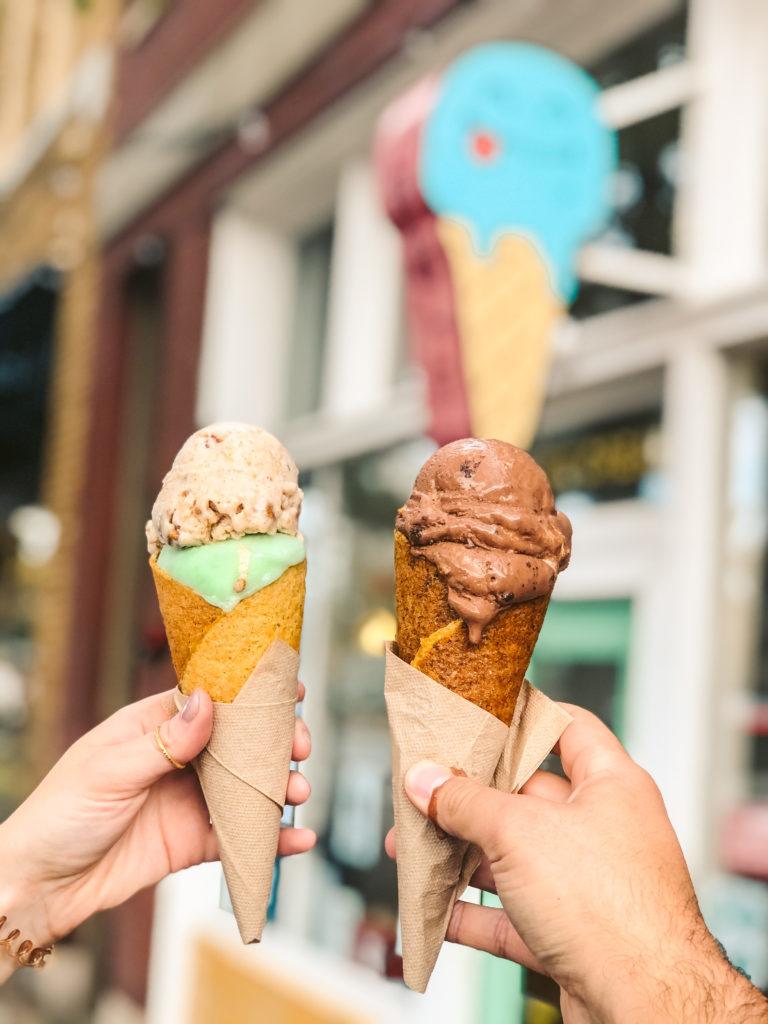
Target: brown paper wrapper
{"x": 243, "y": 773}
{"x": 428, "y": 721}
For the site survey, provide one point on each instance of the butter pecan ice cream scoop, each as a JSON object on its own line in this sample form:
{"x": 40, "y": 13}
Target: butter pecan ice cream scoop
{"x": 228, "y": 480}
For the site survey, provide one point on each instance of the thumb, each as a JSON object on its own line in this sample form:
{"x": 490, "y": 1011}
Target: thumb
{"x": 464, "y": 807}
{"x": 140, "y": 762}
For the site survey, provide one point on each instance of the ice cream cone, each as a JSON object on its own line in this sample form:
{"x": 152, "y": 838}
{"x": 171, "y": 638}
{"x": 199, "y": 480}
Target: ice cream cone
{"x": 434, "y": 640}
{"x": 229, "y": 568}
{"x": 478, "y": 546}
{"x": 507, "y": 310}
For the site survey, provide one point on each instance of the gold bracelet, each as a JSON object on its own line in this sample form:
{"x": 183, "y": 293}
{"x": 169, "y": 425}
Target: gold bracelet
{"x": 26, "y": 954}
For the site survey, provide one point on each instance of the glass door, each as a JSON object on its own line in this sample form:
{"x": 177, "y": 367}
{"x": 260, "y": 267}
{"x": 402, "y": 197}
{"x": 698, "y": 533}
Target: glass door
{"x": 581, "y": 656}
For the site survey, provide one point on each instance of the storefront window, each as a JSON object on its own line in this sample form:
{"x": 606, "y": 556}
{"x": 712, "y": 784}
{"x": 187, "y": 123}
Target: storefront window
{"x": 28, "y": 532}
{"x": 358, "y": 902}
{"x": 310, "y": 321}
{"x": 662, "y": 45}
{"x": 609, "y": 461}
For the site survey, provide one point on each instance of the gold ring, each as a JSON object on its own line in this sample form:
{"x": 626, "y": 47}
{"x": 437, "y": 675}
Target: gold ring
{"x": 164, "y": 750}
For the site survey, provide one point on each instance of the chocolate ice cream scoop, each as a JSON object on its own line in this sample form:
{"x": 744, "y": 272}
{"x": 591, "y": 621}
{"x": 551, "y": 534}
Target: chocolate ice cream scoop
{"x": 483, "y": 513}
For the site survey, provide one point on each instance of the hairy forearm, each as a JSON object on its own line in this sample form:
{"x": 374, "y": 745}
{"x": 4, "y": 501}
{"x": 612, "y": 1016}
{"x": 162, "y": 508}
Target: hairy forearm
{"x": 695, "y": 986}
{"x": 713, "y": 992}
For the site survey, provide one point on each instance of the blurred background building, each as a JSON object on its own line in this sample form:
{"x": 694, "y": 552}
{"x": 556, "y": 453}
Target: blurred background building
{"x": 189, "y": 231}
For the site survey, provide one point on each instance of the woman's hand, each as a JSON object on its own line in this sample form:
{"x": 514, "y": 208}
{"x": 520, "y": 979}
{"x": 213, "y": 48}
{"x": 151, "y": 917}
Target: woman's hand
{"x": 114, "y": 816}
{"x": 594, "y": 887}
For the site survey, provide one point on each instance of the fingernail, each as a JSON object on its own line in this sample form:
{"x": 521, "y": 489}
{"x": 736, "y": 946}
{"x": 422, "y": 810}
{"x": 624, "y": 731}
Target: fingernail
{"x": 423, "y": 779}
{"x": 191, "y": 708}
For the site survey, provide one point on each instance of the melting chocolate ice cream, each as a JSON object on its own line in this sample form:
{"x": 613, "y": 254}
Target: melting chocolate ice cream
{"x": 484, "y": 514}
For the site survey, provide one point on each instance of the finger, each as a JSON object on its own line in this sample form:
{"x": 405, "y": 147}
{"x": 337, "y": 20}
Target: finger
{"x": 298, "y": 789}
{"x": 489, "y": 929}
{"x": 588, "y": 746}
{"x": 302, "y": 741}
{"x": 138, "y": 763}
{"x": 465, "y": 808}
{"x": 389, "y": 844}
{"x": 302, "y": 693}
{"x": 547, "y": 786}
{"x": 295, "y": 840}
{"x": 132, "y": 720}
{"x": 483, "y": 877}
{"x": 175, "y": 812}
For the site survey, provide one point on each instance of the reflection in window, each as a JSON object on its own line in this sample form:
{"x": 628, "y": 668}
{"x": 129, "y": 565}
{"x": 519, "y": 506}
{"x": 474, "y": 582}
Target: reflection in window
{"x": 645, "y": 184}
{"x": 594, "y": 299}
{"x": 661, "y": 46}
{"x": 307, "y": 350}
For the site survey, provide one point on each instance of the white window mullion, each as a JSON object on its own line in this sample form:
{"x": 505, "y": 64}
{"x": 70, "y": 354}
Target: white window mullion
{"x": 364, "y": 308}
{"x": 248, "y": 322}
{"x": 722, "y": 213}
{"x": 634, "y": 269}
{"x": 642, "y": 98}
{"x": 685, "y": 680}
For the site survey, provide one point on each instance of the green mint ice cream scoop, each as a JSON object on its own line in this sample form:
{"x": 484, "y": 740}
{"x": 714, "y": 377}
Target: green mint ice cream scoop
{"x": 225, "y": 572}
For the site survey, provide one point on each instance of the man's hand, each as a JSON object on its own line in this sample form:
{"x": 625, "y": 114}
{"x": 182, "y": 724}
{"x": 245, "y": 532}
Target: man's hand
{"x": 594, "y": 887}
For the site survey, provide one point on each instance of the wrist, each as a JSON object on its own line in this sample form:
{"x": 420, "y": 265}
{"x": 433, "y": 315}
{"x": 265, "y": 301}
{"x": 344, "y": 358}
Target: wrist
{"x": 22, "y": 897}
{"x": 25, "y": 937}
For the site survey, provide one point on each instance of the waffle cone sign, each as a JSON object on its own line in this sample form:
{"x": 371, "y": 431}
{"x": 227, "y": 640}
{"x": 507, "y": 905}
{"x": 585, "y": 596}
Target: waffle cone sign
{"x": 493, "y": 202}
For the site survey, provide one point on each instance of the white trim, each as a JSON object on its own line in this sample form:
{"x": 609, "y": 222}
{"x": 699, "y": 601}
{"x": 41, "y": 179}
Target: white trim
{"x": 247, "y": 327}
{"x": 634, "y": 269}
{"x": 695, "y": 425}
{"x": 364, "y": 303}
{"x": 649, "y": 95}
{"x": 721, "y": 217}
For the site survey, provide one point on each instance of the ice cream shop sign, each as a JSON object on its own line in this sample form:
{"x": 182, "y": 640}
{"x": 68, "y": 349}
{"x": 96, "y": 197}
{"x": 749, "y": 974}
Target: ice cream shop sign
{"x": 494, "y": 173}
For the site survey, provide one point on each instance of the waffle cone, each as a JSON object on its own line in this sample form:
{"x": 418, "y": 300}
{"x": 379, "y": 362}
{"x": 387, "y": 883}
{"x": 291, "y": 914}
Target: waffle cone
{"x": 507, "y": 311}
{"x": 217, "y": 651}
{"x": 433, "y": 640}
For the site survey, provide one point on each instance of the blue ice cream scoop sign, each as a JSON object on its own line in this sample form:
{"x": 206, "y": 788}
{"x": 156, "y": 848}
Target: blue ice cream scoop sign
{"x": 515, "y": 144}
